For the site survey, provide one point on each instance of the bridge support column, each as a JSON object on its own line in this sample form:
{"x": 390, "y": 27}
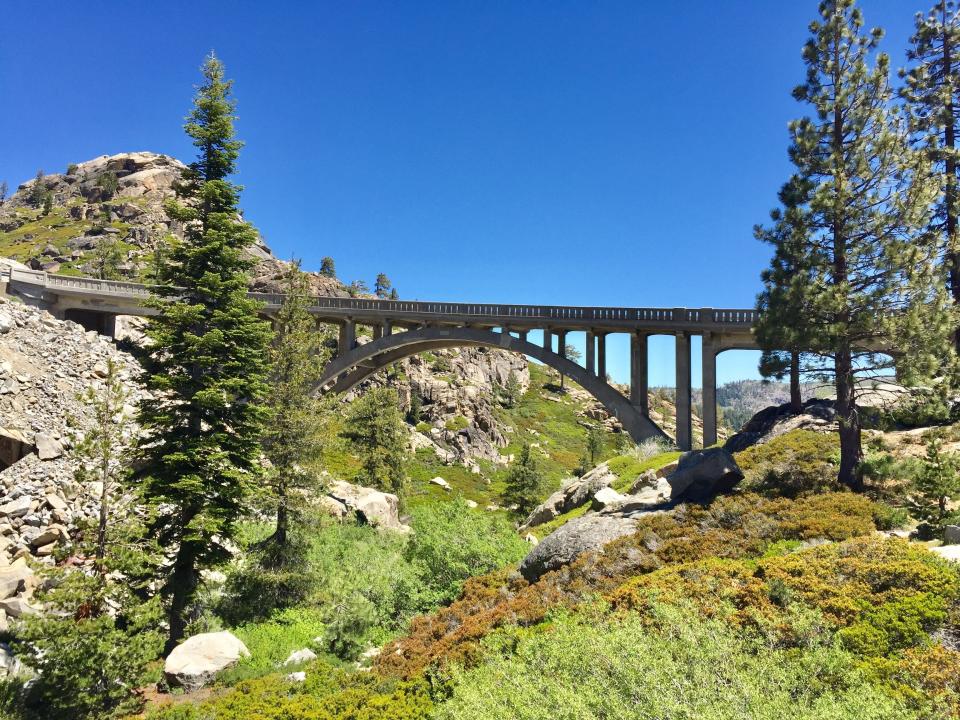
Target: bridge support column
{"x": 547, "y": 340}
{"x": 639, "y": 373}
{"x": 602, "y": 356}
{"x": 562, "y": 343}
{"x": 684, "y": 419}
{"x": 348, "y": 337}
{"x": 591, "y": 364}
{"x": 522, "y": 334}
{"x": 387, "y": 327}
{"x": 377, "y": 331}
{"x": 709, "y": 371}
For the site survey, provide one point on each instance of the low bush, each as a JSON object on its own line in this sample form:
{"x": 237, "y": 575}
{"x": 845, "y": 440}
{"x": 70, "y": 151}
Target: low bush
{"x": 680, "y": 666}
{"x": 326, "y": 694}
{"x": 795, "y": 463}
{"x": 270, "y": 642}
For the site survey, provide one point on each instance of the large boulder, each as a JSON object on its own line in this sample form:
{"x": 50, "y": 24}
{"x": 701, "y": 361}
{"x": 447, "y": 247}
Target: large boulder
{"x": 197, "y": 660}
{"x": 562, "y": 547}
{"x": 371, "y": 506}
{"x": 703, "y": 473}
{"x": 574, "y": 493}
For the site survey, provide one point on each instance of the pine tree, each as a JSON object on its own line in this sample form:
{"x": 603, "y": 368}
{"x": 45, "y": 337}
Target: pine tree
{"x": 207, "y": 362}
{"x": 571, "y": 353}
{"x": 935, "y": 483}
{"x": 524, "y": 483}
{"x": 92, "y": 645}
{"x": 293, "y": 438}
{"x": 327, "y": 267}
{"x": 932, "y": 93}
{"x": 382, "y": 286}
{"x": 512, "y": 390}
{"x": 107, "y": 258}
{"x": 374, "y": 425}
{"x": 394, "y": 295}
{"x": 595, "y": 438}
{"x": 4, "y": 189}
{"x": 858, "y": 209}
{"x": 38, "y": 190}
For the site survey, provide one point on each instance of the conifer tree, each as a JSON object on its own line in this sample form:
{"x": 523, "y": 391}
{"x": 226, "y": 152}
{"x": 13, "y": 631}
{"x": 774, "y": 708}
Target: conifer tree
{"x": 595, "y": 438}
{"x": 511, "y": 390}
{"x": 207, "y": 362}
{"x": 38, "y": 190}
{"x": 374, "y": 425}
{"x": 293, "y": 437}
{"x": 868, "y": 280}
{"x": 382, "y": 286}
{"x": 932, "y": 94}
{"x": 524, "y": 483}
{"x": 394, "y": 295}
{"x": 937, "y": 480}
{"x": 3, "y": 191}
{"x": 327, "y": 267}
{"x": 98, "y": 634}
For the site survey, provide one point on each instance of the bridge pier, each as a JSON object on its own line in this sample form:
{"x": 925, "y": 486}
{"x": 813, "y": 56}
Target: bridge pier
{"x": 602, "y": 356}
{"x": 684, "y": 435}
{"x": 591, "y": 353}
{"x": 639, "y": 373}
{"x": 548, "y": 339}
{"x": 348, "y": 337}
{"x": 709, "y": 372}
{"x": 562, "y": 343}
{"x": 387, "y": 327}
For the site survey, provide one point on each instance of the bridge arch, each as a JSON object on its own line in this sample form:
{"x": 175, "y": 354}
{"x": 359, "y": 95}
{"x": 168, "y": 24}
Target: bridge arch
{"x": 346, "y": 370}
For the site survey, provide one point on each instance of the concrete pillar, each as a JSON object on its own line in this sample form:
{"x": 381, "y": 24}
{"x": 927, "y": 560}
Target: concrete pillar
{"x": 377, "y": 331}
{"x": 387, "y": 327}
{"x": 562, "y": 343}
{"x": 522, "y": 334}
{"x": 709, "y": 372}
{"x": 547, "y": 340}
{"x": 639, "y": 374}
{"x": 110, "y": 326}
{"x": 684, "y": 418}
{"x": 348, "y": 337}
{"x": 591, "y": 353}
{"x": 602, "y": 356}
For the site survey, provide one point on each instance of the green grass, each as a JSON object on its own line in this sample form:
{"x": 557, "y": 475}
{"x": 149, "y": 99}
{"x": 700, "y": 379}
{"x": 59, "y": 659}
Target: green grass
{"x": 627, "y": 467}
{"x": 271, "y": 642}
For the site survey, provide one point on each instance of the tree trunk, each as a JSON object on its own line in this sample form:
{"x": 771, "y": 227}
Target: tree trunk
{"x": 283, "y": 517}
{"x": 183, "y": 583}
{"x": 949, "y": 141}
{"x": 796, "y": 401}
{"x": 848, "y": 417}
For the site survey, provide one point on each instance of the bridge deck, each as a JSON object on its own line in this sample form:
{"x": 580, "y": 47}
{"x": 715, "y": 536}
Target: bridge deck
{"x": 364, "y": 310}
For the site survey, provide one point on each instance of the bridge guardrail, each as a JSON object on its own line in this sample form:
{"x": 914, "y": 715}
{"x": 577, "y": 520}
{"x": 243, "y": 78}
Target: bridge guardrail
{"x": 544, "y": 313}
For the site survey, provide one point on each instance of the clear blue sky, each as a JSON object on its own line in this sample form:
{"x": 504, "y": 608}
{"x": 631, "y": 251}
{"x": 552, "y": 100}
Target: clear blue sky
{"x": 586, "y": 153}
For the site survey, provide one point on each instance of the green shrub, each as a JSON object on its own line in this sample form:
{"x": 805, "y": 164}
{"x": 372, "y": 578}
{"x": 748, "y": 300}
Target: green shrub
{"x": 922, "y": 408}
{"x": 270, "y": 642}
{"x": 792, "y": 464}
{"x": 896, "y": 625}
{"x": 888, "y": 517}
{"x": 450, "y": 543}
{"x": 456, "y": 424}
{"x": 680, "y": 667}
{"x": 424, "y": 427}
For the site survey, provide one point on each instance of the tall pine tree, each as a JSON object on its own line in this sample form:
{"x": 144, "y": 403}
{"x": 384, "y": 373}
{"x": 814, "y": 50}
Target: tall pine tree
{"x": 207, "y": 362}
{"x": 293, "y": 438}
{"x": 868, "y": 287}
{"x": 932, "y": 94}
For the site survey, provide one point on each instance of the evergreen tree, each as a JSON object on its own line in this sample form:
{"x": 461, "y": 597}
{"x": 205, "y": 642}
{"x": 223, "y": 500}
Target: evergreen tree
{"x": 207, "y": 362}
{"x": 382, "y": 286}
{"x": 595, "y": 438}
{"x": 292, "y": 439}
{"x": 38, "y": 190}
{"x": 92, "y": 645}
{"x": 357, "y": 287}
{"x": 571, "y": 353}
{"x": 4, "y": 188}
{"x": 374, "y": 425}
{"x": 524, "y": 483}
{"x": 107, "y": 258}
{"x": 857, "y": 209}
{"x": 512, "y": 390}
{"x": 327, "y": 267}
{"x": 935, "y": 483}
{"x": 394, "y": 295}
{"x": 932, "y": 93}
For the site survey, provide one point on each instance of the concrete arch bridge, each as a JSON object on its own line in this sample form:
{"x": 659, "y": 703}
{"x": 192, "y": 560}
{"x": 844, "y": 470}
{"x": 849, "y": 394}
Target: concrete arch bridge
{"x": 402, "y": 328}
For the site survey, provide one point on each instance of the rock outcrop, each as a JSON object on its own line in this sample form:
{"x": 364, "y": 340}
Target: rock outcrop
{"x": 197, "y": 660}
{"x": 816, "y": 414}
{"x": 370, "y": 506}
{"x": 699, "y": 475}
{"x": 573, "y": 493}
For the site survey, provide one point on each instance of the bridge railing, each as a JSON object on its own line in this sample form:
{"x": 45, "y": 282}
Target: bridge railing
{"x": 386, "y": 308}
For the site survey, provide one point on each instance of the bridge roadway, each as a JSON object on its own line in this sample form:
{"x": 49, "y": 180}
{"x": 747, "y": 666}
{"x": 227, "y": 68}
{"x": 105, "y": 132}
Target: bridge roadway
{"x": 429, "y": 325}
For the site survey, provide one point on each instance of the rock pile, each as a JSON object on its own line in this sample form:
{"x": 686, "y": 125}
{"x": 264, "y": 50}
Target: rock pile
{"x": 45, "y": 366}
